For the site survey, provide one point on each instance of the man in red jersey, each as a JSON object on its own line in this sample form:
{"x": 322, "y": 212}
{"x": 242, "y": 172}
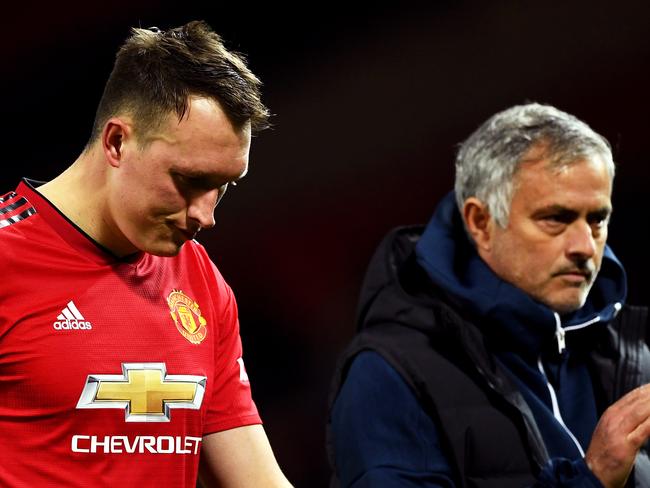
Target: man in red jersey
{"x": 120, "y": 356}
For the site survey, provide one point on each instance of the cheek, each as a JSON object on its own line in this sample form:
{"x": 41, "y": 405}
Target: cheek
{"x": 146, "y": 183}
{"x": 161, "y": 198}
{"x": 526, "y": 262}
{"x": 507, "y": 260}
{"x": 168, "y": 202}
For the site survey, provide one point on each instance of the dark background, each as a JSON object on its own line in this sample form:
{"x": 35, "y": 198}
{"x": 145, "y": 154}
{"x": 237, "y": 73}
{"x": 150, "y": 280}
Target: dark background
{"x": 370, "y": 103}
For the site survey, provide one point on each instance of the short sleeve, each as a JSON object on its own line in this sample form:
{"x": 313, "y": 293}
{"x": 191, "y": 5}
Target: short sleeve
{"x": 230, "y": 404}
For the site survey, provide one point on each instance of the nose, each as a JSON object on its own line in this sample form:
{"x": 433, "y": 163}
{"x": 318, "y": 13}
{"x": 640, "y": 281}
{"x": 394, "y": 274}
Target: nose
{"x": 201, "y": 207}
{"x": 581, "y": 241}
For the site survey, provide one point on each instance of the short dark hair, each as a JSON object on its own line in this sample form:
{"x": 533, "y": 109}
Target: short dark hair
{"x": 156, "y": 72}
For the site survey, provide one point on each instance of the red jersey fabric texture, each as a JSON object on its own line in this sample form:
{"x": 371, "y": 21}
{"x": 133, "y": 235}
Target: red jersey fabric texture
{"x": 111, "y": 370}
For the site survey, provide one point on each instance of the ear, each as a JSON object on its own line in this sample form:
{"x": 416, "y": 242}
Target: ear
{"x": 114, "y": 136}
{"x": 479, "y": 223}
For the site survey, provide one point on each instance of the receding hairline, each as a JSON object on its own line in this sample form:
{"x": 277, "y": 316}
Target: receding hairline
{"x": 558, "y": 160}
{"x": 147, "y": 135}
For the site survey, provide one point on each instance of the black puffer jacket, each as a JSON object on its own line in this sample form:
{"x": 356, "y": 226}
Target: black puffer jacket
{"x": 489, "y": 434}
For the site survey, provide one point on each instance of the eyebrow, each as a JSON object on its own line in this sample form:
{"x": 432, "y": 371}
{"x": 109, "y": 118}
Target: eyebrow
{"x": 559, "y": 209}
{"x": 204, "y": 175}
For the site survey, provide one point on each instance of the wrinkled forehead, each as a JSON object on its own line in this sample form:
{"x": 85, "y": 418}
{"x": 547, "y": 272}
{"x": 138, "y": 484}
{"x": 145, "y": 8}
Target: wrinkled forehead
{"x": 559, "y": 159}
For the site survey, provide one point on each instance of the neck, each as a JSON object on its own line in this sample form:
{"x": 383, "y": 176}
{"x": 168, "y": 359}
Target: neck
{"x": 79, "y": 193}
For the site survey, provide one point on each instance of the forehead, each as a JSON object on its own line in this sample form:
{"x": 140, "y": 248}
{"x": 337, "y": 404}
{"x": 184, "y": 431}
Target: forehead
{"x": 584, "y": 183}
{"x": 205, "y": 140}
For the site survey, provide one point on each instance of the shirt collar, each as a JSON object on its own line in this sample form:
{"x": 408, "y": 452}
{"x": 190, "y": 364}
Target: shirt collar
{"x": 68, "y": 230}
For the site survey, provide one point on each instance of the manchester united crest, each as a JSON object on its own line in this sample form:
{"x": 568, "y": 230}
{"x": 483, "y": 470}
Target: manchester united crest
{"x": 187, "y": 317}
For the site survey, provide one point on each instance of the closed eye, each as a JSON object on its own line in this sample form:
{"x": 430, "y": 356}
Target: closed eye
{"x": 194, "y": 183}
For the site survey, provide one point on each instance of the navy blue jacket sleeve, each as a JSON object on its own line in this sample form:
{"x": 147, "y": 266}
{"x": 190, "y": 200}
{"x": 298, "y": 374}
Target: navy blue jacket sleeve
{"x": 565, "y": 473}
{"x": 381, "y": 436}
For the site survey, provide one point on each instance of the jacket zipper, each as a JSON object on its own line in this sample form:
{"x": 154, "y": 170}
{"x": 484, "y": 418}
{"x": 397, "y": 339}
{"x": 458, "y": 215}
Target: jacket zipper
{"x": 560, "y": 332}
{"x": 556, "y": 407}
{"x": 560, "y": 336}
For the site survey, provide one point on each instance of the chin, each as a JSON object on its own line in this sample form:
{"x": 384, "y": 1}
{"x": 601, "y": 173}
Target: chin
{"x": 564, "y": 309}
{"x": 563, "y": 300}
{"x": 568, "y": 305}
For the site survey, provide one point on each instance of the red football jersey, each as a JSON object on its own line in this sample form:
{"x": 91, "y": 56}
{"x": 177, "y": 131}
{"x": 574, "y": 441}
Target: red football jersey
{"x": 111, "y": 370}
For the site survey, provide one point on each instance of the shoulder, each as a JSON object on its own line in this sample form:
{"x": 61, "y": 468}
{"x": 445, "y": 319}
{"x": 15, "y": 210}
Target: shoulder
{"x": 194, "y": 257}
{"x": 372, "y": 394}
{"x": 377, "y": 421}
{"x": 630, "y": 337}
{"x": 636, "y": 314}
{"x": 632, "y": 324}
{"x": 375, "y": 399}
{"x": 194, "y": 252}
{"x": 24, "y": 238}
{"x": 14, "y": 209}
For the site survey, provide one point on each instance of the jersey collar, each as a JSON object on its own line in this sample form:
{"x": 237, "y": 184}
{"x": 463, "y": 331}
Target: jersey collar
{"x": 68, "y": 230}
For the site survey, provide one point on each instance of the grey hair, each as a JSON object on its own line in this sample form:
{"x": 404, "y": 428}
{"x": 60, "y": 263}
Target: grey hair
{"x": 488, "y": 160}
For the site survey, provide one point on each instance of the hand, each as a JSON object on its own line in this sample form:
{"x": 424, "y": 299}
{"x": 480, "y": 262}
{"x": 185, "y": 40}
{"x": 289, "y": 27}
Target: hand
{"x": 620, "y": 433}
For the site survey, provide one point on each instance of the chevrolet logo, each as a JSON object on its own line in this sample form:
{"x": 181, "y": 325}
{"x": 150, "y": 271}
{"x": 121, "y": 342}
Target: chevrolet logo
{"x": 144, "y": 390}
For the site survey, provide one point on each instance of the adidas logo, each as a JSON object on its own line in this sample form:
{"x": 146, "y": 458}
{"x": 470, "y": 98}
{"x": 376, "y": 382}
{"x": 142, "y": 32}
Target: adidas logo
{"x": 71, "y": 318}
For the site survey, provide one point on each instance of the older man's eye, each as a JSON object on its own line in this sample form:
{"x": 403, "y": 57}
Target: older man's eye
{"x": 556, "y": 219}
{"x": 553, "y": 223}
{"x": 599, "y": 219}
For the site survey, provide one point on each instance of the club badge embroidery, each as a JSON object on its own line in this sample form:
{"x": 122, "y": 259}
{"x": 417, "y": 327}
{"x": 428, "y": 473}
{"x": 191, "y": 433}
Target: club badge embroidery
{"x": 187, "y": 317}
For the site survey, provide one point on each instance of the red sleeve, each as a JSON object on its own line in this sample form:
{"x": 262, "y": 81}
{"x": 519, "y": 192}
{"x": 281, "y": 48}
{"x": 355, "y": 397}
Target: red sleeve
{"x": 230, "y": 404}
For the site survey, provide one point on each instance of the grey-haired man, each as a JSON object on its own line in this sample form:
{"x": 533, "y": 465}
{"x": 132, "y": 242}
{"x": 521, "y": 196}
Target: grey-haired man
{"x": 494, "y": 347}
